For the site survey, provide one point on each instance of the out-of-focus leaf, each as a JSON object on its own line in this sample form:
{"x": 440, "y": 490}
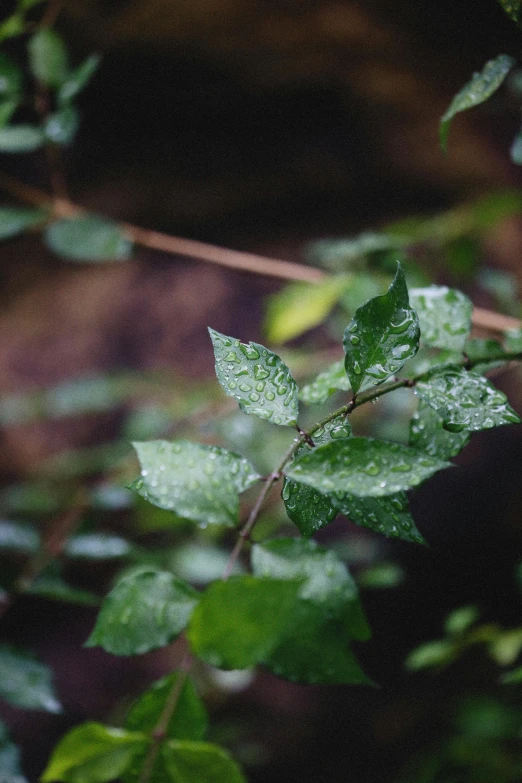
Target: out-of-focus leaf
{"x": 458, "y": 621}
{"x": 21, "y": 138}
{"x": 145, "y": 610}
{"x": 48, "y": 57}
{"x": 188, "y": 762}
{"x": 10, "y": 771}
{"x": 15, "y": 220}
{"x": 25, "y": 682}
{"x": 504, "y": 287}
{"x": 8, "y": 107}
{"x": 444, "y": 316}
{"x": 513, "y": 340}
{"x": 12, "y": 26}
{"x": 328, "y": 381}
{"x": 301, "y": 306}
{"x": 11, "y": 77}
{"x": 513, "y": 9}
{"x": 435, "y": 653}
{"x": 201, "y": 563}
{"x": 381, "y": 576}
{"x": 479, "y": 89}
{"x": 50, "y": 585}
{"x": 342, "y": 254}
{"x": 257, "y": 378}
{"x": 88, "y": 238}
{"x": 60, "y": 127}
{"x": 97, "y": 546}
{"x": 78, "y": 79}
{"x": 19, "y": 536}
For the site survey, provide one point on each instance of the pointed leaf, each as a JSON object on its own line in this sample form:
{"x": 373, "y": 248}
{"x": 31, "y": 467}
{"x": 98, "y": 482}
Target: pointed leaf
{"x": 25, "y": 682}
{"x": 88, "y": 238}
{"x": 257, "y": 378}
{"x": 48, "y": 57}
{"x": 78, "y": 79}
{"x": 189, "y": 720}
{"x": 387, "y": 515}
{"x": 21, "y": 138}
{"x": 328, "y": 586}
{"x": 199, "y": 762}
{"x": 465, "y": 400}
{"x": 381, "y": 337}
{"x": 444, "y": 316}
{"x": 427, "y": 433}
{"x": 308, "y": 509}
{"x": 60, "y": 127}
{"x": 92, "y": 753}
{"x": 145, "y": 610}
{"x": 513, "y": 9}
{"x": 10, "y": 771}
{"x": 200, "y": 483}
{"x": 15, "y": 220}
{"x": 239, "y": 622}
{"x": 479, "y": 89}
{"x": 364, "y": 467}
{"x": 328, "y": 381}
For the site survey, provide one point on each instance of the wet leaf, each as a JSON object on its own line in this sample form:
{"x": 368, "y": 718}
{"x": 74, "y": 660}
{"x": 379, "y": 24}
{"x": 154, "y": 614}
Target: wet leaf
{"x": 21, "y": 138}
{"x": 257, "y": 378}
{"x": 145, "y": 610}
{"x": 60, "y": 127}
{"x": 381, "y": 337}
{"x": 189, "y": 720}
{"x": 387, "y": 515}
{"x": 479, "y": 89}
{"x": 25, "y": 682}
{"x": 328, "y": 381}
{"x": 444, "y": 316}
{"x": 92, "y": 753}
{"x": 15, "y": 220}
{"x": 78, "y": 79}
{"x": 427, "y": 433}
{"x": 188, "y": 762}
{"x": 88, "y": 238}
{"x": 465, "y": 400}
{"x": 364, "y": 467}
{"x": 48, "y": 57}
{"x": 239, "y": 622}
{"x": 301, "y": 306}
{"x": 198, "y": 482}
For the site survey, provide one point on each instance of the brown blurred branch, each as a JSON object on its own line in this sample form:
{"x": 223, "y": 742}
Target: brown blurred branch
{"x": 213, "y": 254}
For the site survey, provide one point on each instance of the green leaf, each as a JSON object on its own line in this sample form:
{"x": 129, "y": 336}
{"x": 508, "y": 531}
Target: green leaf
{"x": 444, "y": 316}
{"x": 200, "y": 483}
{"x": 490, "y": 351}
{"x": 8, "y": 107}
{"x": 513, "y": 677}
{"x": 15, "y": 220}
{"x": 513, "y": 340}
{"x": 19, "y": 536}
{"x": 199, "y": 762}
{"x": 78, "y": 79}
{"x": 328, "y": 381}
{"x": 515, "y": 151}
{"x": 239, "y": 622}
{"x": 52, "y": 586}
{"x": 364, "y": 467}
{"x": 200, "y": 562}
{"x": 97, "y": 546}
{"x": 513, "y": 9}
{"x": 465, "y": 400}
{"x": 14, "y": 25}
{"x": 11, "y": 77}
{"x": 21, "y": 138}
{"x": 479, "y": 89}
{"x": 458, "y": 621}
{"x": 88, "y": 238}
{"x": 25, "y": 682}
{"x": 387, "y": 515}
{"x": 301, "y": 306}
{"x": 92, "y": 753}
{"x": 329, "y": 586}
{"x": 381, "y": 337}
{"x": 189, "y": 720}
{"x": 435, "y": 653}
{"x": 10, "y": 771}
{"x": 308, "y": 509}
{"x": 145, "y": 610}
{"x": 427, "y": 433}
{"x": 257, "y": 378}
{"x": 48, "y": 57}
{"x": 60, "y": 127}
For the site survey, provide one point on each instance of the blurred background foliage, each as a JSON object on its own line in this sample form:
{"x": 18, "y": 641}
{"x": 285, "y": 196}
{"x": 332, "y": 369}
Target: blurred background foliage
{"x": 308, "y": 131}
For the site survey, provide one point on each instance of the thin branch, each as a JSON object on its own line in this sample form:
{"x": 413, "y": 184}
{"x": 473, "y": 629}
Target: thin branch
{"x": 213, "y": 254}
{"x": 52, "y": 12}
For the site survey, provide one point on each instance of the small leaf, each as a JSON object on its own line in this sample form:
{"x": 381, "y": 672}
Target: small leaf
{"x": 444, "y": 316}
{"x": 88, "y": 238}
{"x": 14, "y": 25}
{"x": 435, "y": 653}
{"x": 60, "y": 127}
{"x": 239, "y": 622}
{"x": 332, "y": 379}
{"x": 92, "y": 753}
{"x": 381, "y": 337}
{"x": 48, "y": 57}
{"x": 53, "y": 587}
{"x": 515, "y": 151}
{"x": 78, "y": 79}
{"x": 25, "y": 682}
{"x": 200, "y": 483}
{"x": 97, "y": 546}
{"x": 460, "y": 620}
{"x": 513, "y": 9}
{"x": 21, "y": 138}
{"x": 199, "y": 762}
{"x": 145, "y": 610}
{"x": 364, "y": 467}
{"x": 301, "y": 306}
{"x": 257, "y": 378}
{"x": 15, "y": 220}
{"x": 10, "y": 771}
{"x": 479, "y": 89}
{"x": 11, "y": 77}
{"x": 513, "y": 677}
{"x": 7, "y": 109}
{"x": 465, "y": 400}
{"x": 19, "y": 536}
{"x": 387, "y": 515}
{"x": 513, "y": 340}
{"x": 427, "y": 433}
{"x": 328, "y": 586}
{"x": 189, "y": 720}
{"x": 489, "y": 351}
